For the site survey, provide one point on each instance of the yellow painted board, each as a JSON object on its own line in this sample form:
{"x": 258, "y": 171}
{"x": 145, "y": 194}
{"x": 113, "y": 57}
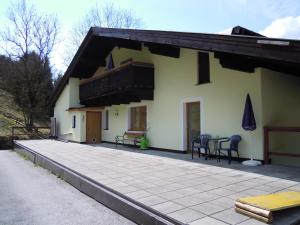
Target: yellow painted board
{"x": 274, "y": 202}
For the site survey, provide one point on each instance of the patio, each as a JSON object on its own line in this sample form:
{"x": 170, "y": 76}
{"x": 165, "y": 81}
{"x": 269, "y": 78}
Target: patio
{"x": 193, "y": 192}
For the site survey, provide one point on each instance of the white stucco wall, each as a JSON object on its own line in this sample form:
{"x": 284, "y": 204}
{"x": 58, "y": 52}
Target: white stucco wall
{"x": 281, "y": 107}
{"x": 69, "y": 98}
{"x": 222, "y": 101}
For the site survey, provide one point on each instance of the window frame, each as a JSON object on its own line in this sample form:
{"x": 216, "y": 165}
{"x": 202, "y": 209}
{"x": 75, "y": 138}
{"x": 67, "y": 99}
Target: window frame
{"x": 130, "y": 127}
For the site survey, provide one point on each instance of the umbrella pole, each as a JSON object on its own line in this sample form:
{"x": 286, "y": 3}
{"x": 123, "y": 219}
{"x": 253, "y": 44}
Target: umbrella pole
{"x": 251, "y": 162}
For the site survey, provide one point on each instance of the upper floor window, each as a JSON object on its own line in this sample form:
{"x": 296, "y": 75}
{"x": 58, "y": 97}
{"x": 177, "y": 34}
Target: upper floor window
{"x": 138, "y": 118}
{"x": 203, "y": 68}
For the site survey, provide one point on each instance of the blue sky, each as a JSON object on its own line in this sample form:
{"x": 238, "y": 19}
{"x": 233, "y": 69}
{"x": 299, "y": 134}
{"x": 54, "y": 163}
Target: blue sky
{"x": 276, "y": 18}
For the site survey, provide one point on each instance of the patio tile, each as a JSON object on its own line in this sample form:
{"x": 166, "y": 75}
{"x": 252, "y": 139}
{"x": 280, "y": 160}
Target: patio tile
{"x": 269, "y": 189}
{"x": 138, "y": 194}
{"x": 208, "y": 208}
{"x": 126, "y": 189}
{"x": 204, "y": 187}
{"x": 236, "y": 187}
{"x": 247, "y": 193}
{"x": 281, "y": 184}
{"x": 204, "y": 197}
{"x": 172, "y": 183}
{"x": 221, "y": 192}
{"x": 208, "y": 221}
{"x": 189, "y": 191}
{"x": 189, "y": 201}
{"x": 224, "y": 202}
{"x": 171, "y": 195}
{"x": 186, "y": 215}
{"x": 167, "y": 207}
{"x": 152, "y": 200}
{"x": 251, "y": 222}
{"x": 230, "y": 216}
{"x": 295, "y": 188}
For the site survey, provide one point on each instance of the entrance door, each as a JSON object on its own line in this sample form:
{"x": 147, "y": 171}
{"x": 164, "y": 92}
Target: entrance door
{"x": 93, "y": 127}
{"x": 192, "y": 122}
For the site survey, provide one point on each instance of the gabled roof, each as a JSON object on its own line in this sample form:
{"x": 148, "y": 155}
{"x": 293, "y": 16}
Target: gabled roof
{"x": 252, "y": 51}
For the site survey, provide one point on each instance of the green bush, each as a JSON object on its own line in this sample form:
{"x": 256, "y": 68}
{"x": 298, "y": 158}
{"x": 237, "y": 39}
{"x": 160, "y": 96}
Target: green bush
{"x": 5, "y": 142}
{"x": 144, "y": 143}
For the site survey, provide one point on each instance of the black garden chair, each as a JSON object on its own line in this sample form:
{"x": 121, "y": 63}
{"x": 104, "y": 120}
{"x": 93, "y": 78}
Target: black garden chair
{"x": 201, "y": 142}
{"x": 234, "y": 141}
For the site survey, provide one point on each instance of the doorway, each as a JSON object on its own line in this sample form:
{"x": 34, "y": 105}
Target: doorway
{"x": 93, "y": 127}
{"x": 192, "y": 122}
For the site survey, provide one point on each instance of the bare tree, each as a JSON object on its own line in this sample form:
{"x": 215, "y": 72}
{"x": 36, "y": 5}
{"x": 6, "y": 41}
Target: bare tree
{"x": 105, "y": 15}
{"x": 28, "y": 30}
{"x": 29, "y": 39}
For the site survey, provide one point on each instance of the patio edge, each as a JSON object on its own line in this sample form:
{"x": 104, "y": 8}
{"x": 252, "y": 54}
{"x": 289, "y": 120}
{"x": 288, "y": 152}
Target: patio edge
{"x": 129, "y": 208}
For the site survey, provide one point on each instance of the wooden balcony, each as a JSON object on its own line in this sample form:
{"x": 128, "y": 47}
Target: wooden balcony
{"x": 131, "y": 82}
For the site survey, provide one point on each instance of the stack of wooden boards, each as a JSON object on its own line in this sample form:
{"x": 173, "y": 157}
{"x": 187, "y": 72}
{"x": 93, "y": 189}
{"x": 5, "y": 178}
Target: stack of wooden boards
{"x": 261, "y": 207}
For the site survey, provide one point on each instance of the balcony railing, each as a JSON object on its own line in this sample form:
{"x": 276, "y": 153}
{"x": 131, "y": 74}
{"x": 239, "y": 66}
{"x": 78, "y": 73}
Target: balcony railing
{"x": 131, "y": 82}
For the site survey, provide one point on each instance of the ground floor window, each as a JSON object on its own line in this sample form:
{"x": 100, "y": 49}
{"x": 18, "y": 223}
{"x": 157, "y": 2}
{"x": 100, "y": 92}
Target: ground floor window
{"x": 73, "y": 121}
{"x": 138, "y": 118}
{"x": 105, "y": 119}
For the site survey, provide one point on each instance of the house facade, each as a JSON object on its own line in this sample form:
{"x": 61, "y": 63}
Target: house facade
{"x": 174, "y": 91}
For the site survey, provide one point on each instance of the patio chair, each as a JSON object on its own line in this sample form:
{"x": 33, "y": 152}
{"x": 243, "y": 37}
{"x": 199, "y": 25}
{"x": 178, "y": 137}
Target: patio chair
{"x": 234, "y": 141}
{"x": 203, "y": 142}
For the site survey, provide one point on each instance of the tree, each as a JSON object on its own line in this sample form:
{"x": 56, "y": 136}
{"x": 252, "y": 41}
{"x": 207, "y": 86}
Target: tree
{"x": 32, "y": 92}
{"x": 29, "y": 39}
{"x": 105, "y": 15}
{"x": 6, "y": 66}
{"x": 57, "y": 79}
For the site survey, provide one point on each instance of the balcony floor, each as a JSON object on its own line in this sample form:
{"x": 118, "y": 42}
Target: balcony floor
{"x": 193, "y": 192}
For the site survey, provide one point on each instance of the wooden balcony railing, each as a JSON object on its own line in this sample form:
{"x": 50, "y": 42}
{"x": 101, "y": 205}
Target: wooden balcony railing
{"x": 267, "y": 151}
{"x": 132, "y": 81}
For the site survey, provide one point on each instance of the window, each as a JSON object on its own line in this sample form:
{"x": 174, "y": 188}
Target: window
{"x": 106, "y": 118}
{"x": 138, "y": 118}
{"x": 73, "y": 121}
{"x": 203, "y": 68}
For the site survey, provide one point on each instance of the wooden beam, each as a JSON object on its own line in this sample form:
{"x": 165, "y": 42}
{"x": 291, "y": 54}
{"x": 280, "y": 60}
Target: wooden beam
{"x": 129, "y": 44}
{"x": 165, "y": 50}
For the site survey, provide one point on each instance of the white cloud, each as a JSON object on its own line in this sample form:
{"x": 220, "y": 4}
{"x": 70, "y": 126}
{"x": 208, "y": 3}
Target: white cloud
{"x": 226, "y": 31}
{"x": 287, "y": 27}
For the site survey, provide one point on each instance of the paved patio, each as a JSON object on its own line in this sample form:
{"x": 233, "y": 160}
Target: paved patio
{"x": 194, "y": 192}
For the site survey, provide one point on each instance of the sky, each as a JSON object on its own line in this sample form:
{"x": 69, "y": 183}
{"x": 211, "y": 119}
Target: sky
{"x": 273, "y": 18}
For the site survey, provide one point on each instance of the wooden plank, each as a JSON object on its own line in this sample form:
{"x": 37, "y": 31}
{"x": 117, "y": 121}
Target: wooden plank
{"x": 258, "y": 211}
{"x": 285, "y": 154}
{"x": 283, "y": 129}
{"x": 253, "y": 215}
{"x": 274, "y": 202}
{"x": 266, "y": 145}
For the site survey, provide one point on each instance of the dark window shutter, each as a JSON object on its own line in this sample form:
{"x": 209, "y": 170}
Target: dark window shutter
{"x": 203, "y": 68}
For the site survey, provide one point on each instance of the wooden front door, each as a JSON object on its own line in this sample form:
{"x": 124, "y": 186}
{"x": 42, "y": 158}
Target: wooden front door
{"x": 192, "y": 122}
{"x": 93, "y": 127}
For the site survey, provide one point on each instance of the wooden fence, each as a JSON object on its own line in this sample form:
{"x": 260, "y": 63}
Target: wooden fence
{"x": 267, "y": 153}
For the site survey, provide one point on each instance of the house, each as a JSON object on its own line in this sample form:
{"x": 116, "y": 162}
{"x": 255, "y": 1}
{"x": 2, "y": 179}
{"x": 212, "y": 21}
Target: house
{"x": 173, "y": 85}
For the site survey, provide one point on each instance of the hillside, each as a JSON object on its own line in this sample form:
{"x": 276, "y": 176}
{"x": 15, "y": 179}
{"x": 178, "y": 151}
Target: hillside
{"x": 10, "y": 114}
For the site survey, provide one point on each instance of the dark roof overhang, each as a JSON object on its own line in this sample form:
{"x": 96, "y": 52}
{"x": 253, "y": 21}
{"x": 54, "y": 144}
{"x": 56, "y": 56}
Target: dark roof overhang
{"x": 99, "y": 42}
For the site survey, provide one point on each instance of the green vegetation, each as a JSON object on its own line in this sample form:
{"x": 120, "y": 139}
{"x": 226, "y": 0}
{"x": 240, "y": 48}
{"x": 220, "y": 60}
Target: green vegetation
{"x": 10, "y": 115}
